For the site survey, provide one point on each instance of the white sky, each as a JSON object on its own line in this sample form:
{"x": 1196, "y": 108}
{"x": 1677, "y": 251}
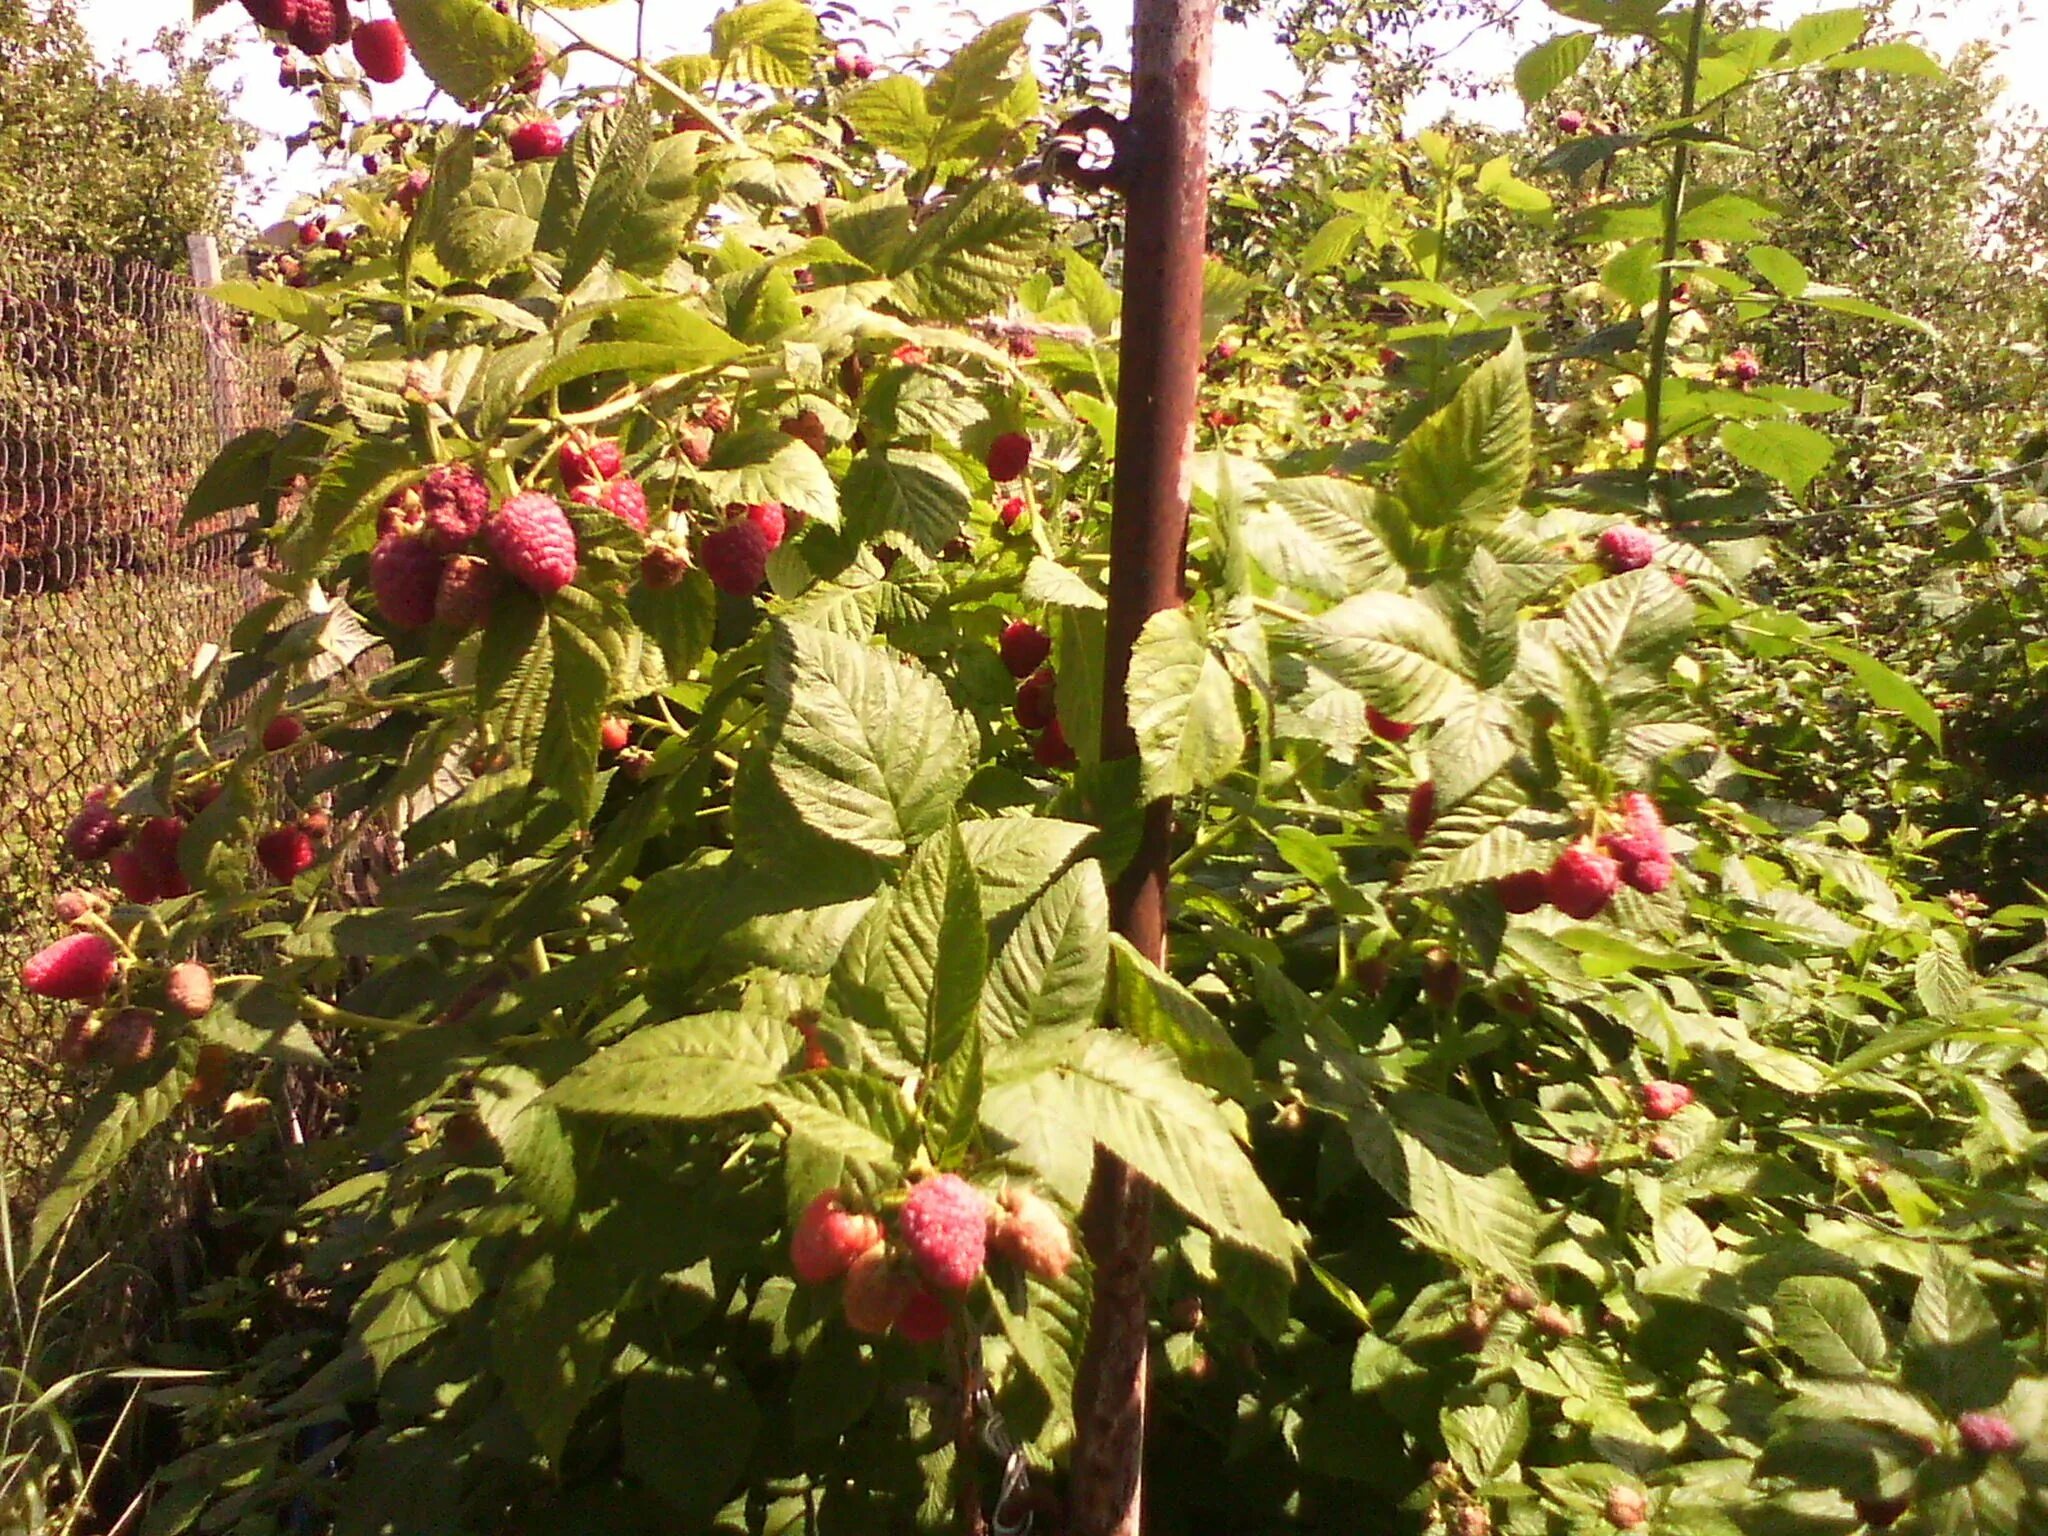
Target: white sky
{"x": 1250, "y": 62}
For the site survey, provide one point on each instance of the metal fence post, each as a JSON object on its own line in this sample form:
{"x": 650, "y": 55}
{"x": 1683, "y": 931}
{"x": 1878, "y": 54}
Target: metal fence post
{"x": 1163, "y": 165}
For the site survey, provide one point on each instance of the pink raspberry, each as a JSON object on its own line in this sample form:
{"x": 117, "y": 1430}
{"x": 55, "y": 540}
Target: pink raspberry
{"x": 78, "y": 968}
{"x": 283, "y": 732}
{"x": 1024, "y": 647}
{"x": 850, "y": 60}
{"x": 408, "y": 193}
{"x": 381, "y": 51}
{"x": 96, "y": 831}
{"x": 829, "y": 1237}
{"x": 1030, "y": 1233}
{"x": 944, "y": 1224}
{"x": 463, "y": 599}
{"x": 1010, "y": 511}
{"x": 189, "y": 988}
{"x": 876, "y": 1292}
{"x": 1625, "y": 547}
{"x": 1742, "y": 366}
{"x": 614, "y": 735}
{"x": 285, "y": 853}
{"x": 454, "y": 501}
{"x": 1386, "y": 729}
{"x": 1626, "y": 1507}
{"x": 626, "y": 499}
{"x": 404, "y": 576}
{"x": 1571, "y": 120}
{"x": 584, "y": 462}
{"x": 154, "y": 870}
{"x": 1662, "y": 1099}
{"x": 1582, "y": 881}
{"x": 538, "y": 138}
{"x": 1421, "y": 810}
{"x": 911, "y": 355}
{"x": 1987, "y": 1434}
{"x": 531, "y": 538}
{"x": 735, "y": 558}
{"x": 1036, "y": 709}
{"x": 1639, "y": 844}
{"x": 1009, "y": 456}
{"x": 773, "y": 519}
{"x": 1523, "y": 891}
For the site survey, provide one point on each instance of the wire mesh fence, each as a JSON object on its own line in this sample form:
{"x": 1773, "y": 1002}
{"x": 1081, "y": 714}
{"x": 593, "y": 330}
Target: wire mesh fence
{"x": 118, "y": 383}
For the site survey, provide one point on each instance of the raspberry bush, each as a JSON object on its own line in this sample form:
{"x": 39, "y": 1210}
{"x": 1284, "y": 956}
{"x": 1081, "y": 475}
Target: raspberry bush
{"x": 709, "y": 1085}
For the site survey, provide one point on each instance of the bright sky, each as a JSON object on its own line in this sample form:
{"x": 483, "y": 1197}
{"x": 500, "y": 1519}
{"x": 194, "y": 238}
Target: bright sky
{"x": 1251, "y": 62}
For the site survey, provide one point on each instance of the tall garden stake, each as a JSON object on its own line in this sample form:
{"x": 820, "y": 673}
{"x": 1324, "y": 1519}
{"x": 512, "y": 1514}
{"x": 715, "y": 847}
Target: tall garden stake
{"x": 1163, "y": 165}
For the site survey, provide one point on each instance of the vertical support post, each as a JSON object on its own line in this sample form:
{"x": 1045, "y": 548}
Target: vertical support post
{"x": 1163, "y": 166}
{"x": 213, "y": 329}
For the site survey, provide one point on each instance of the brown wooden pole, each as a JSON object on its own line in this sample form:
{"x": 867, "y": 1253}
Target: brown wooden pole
{"x": 1162, "y": 164}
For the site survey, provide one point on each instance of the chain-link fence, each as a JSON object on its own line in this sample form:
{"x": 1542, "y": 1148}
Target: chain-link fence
{"x": 117, "y": 385}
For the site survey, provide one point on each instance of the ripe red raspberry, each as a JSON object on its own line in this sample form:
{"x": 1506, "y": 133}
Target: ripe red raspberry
{"x": 135, "y": 877}
{"x": 530, "y": 79}
{"x": 127, "y": 1038}
{"x": 78, "y": 968}
{"x": 408, "y": 193}
{"x": 1626, "y": 1507}
{"x": 538, "y": 138}
{"x": 317, "y": 26}
{"x": 283, "y": 732}
{"x": 773, "y": 519}
{"x": 404, "y": 577}
{"x": 925, "y": 1318}
{"x": 586, "y": 462}
{"x": 1663, "y": 1099}
{"x": 1030, "y": 1233}
{"x": 626, "y": 499}
{"x": 693, "y": 442}
{"x": 1421, "y": 810}
{"x": 1987, "y": 1434}
{"x": 1024, "y": 647}
{"x": 285, "y": 853}
{"x": 850, "y": 59}
{"x": 1523, "y": 891}
{"x": 876, "y": 1292}
{"x": 1582, "y": 881}
{"x": 911, "y": 355}
{"x": 1571, "y": 120}
{"x": 1442, "y": 977}
{"x": 1036, "y": 709}
{"x": 454, "y": 501}
{"x": 1010, "y": 511}
{"x": 829, "y": 1237}
{"x": 735, "y": 558}
{"x": 1625, "y": 547}
{"x": 666, "y": 562}
{"x": 531, "y": 538}
{"x": 96, "y": 831}
{"x": 1640, "y": 845}
{"x": 614, "y": 735}
{"x": 1052, "y": 749}
{"x": 462, "y": 600}
{"x": 1386, "y": 729}
{"x": 944, "y": 1224}
{"x": 1742, "y": 366}
{"x": 274, "y": 14}
{"x": 189, "y": 988}
{"x": 1009, "y": 456}
{"x": 381, "y": 51}
{"x": 148, "y": 870}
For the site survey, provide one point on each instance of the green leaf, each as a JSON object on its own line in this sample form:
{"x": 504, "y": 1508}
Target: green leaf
{"x": 691, "y": 1069}
{"x": 1320, "y": 535}
{"x": 1160, "y": 1011}
{"x": 974, "y": 87}
{"x": 351, "y": 485}
{"x": 1486, "y": 1221}
{"x": 294, "y": 307}
{"x": 776, "y": 42}
{"x": 1396, "y": 650}
{"x": 1183, "y": 708}
{"x": 615, "y": 188}
{"x": 1955, "y": 1351}
{"x": 1822, "y": 34}
{"x": 1887, "y": 688}
{"x": 1016, "y": 857}
{"x": 1829, "y": 1324}
{"x": 1549, "y": 65}
{"x": 857, "y": 1119}
{"x": 1790, "y": 452}
{"x": 413, "y": 1297}
{"x": 1132, "y": 1099}
{"x": 1780, "y": 268}
{"x": 913, "y": 971}
{"x": 237, "y": 477}
{"x": 1051, "y": 969}
{"x": 491, "y": 227}
{"x": 1892, "y": 59}
{"x": 1332, "y": 243}
{"x": 550, "y": 1324}
{"x": 1636, "y": 621}
{"x": 1864, "y": 309}
{"x": 868, "y": 747}
{"x": 465, "y": 47}
{"x": 1471, "y": 461}
{"x": 906, "y": 491}
{"x": 973, "y": 254}
{"x": 689, "y": 1439}
{"x": 113, "y": 1124}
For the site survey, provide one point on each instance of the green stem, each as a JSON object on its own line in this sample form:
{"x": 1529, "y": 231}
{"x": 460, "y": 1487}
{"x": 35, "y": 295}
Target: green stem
{"x": 1674, "y": 211}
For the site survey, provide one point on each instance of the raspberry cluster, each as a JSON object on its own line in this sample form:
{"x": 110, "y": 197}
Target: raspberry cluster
{"x": 441, "y": 549}
{"x": 1631, "y": 848}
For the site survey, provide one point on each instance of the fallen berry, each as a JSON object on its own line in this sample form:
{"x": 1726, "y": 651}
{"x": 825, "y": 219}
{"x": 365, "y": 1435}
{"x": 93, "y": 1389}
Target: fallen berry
{"x": 405, "y": 577}
{"x": 531, "y": 538}
{"x": 454, "y": 501}
{"x": 876, "y": 1292}
{"x": 1386, "y": 729}
{"x": 189, "y": 989}
{"x": 1024, "y": 647}
{"x": 1663, "y": 1099}
{"x": 1027, "y": 1230}
{"x": 1421, "y": 810}
{"x": 127, "y": 1038}
{"x": 735, "y": 557}
{"x": 614, "y": 735}
{"x": 1625, "y": 547}
{"x": 829, "y": 1237}
{"x": 1052, "y": 749}
{"x": 1523, "y": 891}
{"x": 380, "y": 50}
{"x": 1582, "y": 882}
{"x": 1987, "y": 1434}
{"x": 944, "y": 1224}
{"x": 285, "y": 853}
{"x": 925, "y": 1318}
{"x": 538, "y": 138}
{"x": 1626, "y": 1507}
{"x": 1009, "y": 457}
{"x": 283, "y": 732}
{"x": 463, "y": 599}
{"x": 77, "y": 968}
